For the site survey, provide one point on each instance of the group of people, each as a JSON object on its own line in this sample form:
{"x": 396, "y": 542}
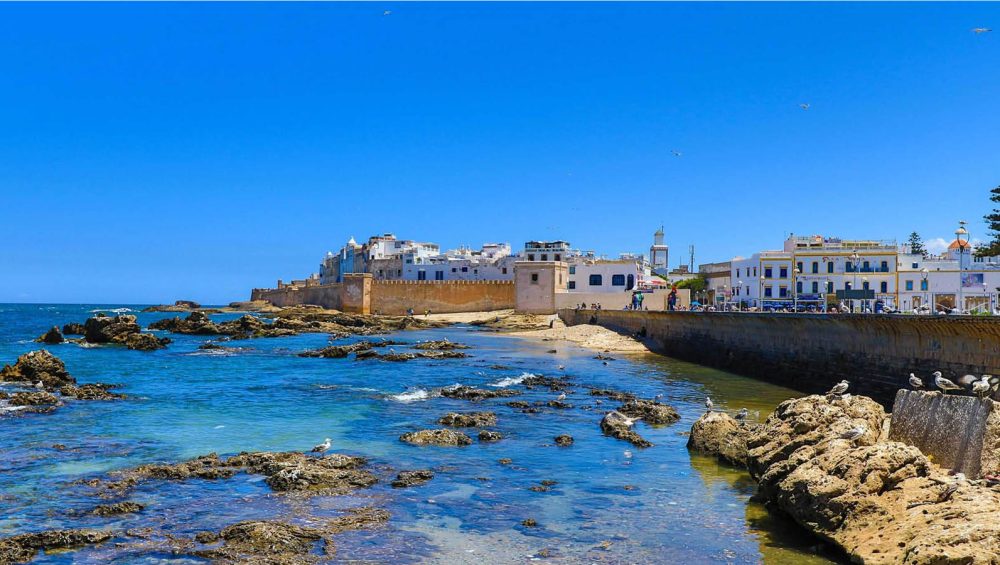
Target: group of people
{"x": 593, "y": 306}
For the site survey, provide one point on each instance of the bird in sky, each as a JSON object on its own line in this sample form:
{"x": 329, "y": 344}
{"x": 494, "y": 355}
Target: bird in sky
{"x": 839, "y": 388}
{"x": 943, "y": 383}
{"x": 981, "y": 30}
{"x": 323, "y": 446}
{"x": 804, "y": 105}
{"x": 915, "y": 381}
{"x": 387, "y": 12}
{"x": 676, "y": 153}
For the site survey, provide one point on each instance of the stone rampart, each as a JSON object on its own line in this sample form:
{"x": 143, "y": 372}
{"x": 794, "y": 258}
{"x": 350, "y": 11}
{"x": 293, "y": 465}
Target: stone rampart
{"x": 811, "y": 352}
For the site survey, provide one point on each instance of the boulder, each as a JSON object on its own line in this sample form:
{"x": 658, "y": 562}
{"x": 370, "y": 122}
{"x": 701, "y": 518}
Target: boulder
{"x": 613, "y": 394}
{"x": 38, "y": 366}
{"x": 650, "y": 411}
{"x": 564, "y": 440}
{"x": 440, "y": 345}
{"x": 51, "y": 337}
{"x": 23, "y": 548}
{"x": 719, "y": 434}
{"x": 412, "y": 478}
{"x": 476, "y": 394}
{"x": 487, "y": 436}
{"x": 145, "y": 342}
{"x": 117, "y": 508}
{"x": 436, "y": 437}
{"x": 93, "y": 391}
{"x": 73, "y": 328}
{"x": 107, "y": 329}
{"x": 469, "y": 419}
{"x": 33, "y": 399}
{"x": 266, "y": 541}
{"x": 618, "y": 426}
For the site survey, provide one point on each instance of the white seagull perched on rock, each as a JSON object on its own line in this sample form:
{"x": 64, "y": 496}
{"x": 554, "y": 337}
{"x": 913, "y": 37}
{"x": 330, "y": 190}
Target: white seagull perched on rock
{"x": 943, "y": 383}
{"x": 839, "y": 388}
{"x": 915, "y": 381}
{"x": 854, "y": 433}
{"x": 709, "y": 404}
{"x": 323, "y": 446}
{"x": 561, "y": 396}
{"x": 982, "y": 387}
{"x": 742, "y": 414}
{"x": 39, "y": 385}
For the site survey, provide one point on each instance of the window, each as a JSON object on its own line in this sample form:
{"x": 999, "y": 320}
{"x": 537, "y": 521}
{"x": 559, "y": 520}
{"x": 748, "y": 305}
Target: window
{"x": 815, "y": 287}
{"x": 465, "y": 269}
{"x": 475, "y": 271}
{"x": 847, "y": 286}
{"x": 596, "y": 280}
{"x": 923, "y": 284}
{"x": 829, "y": 266}
{"x": 558, "y": 257}
{"x": 531, "y": 256}
{"x": 617, "y": 280}
{"x": 783, "y": 292}
{"x": 848, "y": 267}
{"x": 914, "y": 265}
{"x": 737, "y": 273}
{"x": 767, "y": 272}
{"x": 572, "y": 285}
{"x": 799, "y": 267}
{"x": 866, "y": 266}
{"x": 545, "y": 256}
{"x": 815, "y": 267}
{"x": 783, "y": 272}
{"x": 421, "y": 275}
{"x": 755, "y": 271}
{"x": 503, "y": 270}
{"x": 909, "y": 285}
{"x": 864, "y": 285}
{"x": 767, "y": 291}
{"x": 885, "y": 266}
{"x": 572, "y": 269}
{"x": 534, "y": 278}
{"x": 884, "y": 287}
{"x": 798, "y": 287}
{"x": 439, "y": 275}
{"x": 454, "y": 270}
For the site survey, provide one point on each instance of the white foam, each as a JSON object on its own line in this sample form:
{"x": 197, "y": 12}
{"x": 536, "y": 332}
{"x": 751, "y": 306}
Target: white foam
{"x": 512, "y": 380}
{"x": 411, "y": 395}
{"x": 115, "y": 310}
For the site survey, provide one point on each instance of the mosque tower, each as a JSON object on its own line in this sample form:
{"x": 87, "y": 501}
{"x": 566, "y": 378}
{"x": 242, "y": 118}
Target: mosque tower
{"x": 659, "y": 252}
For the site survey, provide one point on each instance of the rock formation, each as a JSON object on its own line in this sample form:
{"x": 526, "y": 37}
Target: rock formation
{"x": 38, "y": 366}
{"x": 51, "y": 337}
{"x": 720, "y": 434}
{"x": 436, "y": 437}
{"x": 469, "y": 419}
{"x": 22, "y": 548}
{"x": 617, "y": 426}
{"x": 650, "y": 411}
{"x": 475, "y": 394}
{"x": 412, "y": 478}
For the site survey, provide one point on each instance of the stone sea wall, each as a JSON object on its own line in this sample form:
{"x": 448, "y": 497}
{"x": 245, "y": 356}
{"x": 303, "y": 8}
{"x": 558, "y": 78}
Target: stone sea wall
{"x": 812, "y": 352}
{"x": 362, "y": 294}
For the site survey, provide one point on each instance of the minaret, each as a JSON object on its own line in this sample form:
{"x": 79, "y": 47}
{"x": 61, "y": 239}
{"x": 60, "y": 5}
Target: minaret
{"x": 659, "y": 252}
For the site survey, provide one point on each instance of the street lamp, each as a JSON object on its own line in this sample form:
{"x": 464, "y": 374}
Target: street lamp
{"x": 760, "y": 294}
{"x": 864, "y": 303}
{"x": 795, "y": 289}
{"x": 740, "y": 293}
{"x": 924, "y": 286}
{"x": 855, "y": 258}
{"x": 959, "y": 234}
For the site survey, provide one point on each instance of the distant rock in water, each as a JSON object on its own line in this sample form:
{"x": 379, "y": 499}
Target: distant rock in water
{"x": 73, "y": 328}
{"x": 94, "y": 391}
{"x": 436, "y": 437}
{"x": 121, "y": 330}
{"x": 117, "y": 508}
{"x": 412, "y": 478}
{"x": 650, "y": 411}
{"x": 23, "y": 548}
{"x": 475, "y": 394}
{"x": 146, "y": 342}
{"x": 469, "y": 419}
{"x": 564, "y": 440}
{"x": 51, "y": 337}
{"x": 38, "y": 366}
{"x": 487, "y": 436}
{"x": 617, "y": 426}
{"x": 440, "y": 345}
{"x": 177, "y": 306}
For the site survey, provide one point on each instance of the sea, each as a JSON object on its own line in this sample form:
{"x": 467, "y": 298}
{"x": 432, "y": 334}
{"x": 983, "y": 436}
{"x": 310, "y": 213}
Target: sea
{"x": 611, "y": 502}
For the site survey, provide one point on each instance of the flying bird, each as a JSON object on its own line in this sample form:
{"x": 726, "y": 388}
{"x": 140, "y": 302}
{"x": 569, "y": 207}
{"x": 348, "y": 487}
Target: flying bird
{"x": 804, "y": 106}
{"x": 676, "y": 153}
{"x": 322, "y": 447}
{"x": 915, "y": 381}
{"x": 387, "y": 12}
{"x": 943, "y": 383}
{"x": 839, "y": 388}
{"x": 979, "y": 30}
{"x": 709, "y": 404}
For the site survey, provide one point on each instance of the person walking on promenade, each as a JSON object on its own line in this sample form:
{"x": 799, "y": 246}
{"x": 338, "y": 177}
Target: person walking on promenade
{"x": 639, "y": 298}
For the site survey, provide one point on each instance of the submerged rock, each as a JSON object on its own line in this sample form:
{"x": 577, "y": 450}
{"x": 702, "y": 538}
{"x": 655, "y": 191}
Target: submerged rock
{"x": 126, "y": 507}
{"x": 436, "y": 437}
{"x": 23, "y": 548}
{"x": 92, "y": 391}
{"x": 650, "y": 411}
{"x": 487, "y": 436}
{"x": 440, "y": 345}
{"x": 618, "y": 426}
{"x": 613, "y": 394}
{"x": 38, "y": 366}
{"x": 277, "y": 542}
{"x": 564, "y": 440}
{"x": 33, "y": 399}
{"x": 145, "y": 342}
{"x": 51, "y": 337}
{"x": 469, "y": 419}
{"x": 412, "y": 478}
{"x": 475, "y": 394}
{"x": 553, "y": 383}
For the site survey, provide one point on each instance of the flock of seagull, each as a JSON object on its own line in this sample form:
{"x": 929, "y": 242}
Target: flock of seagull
{"x": 982, "y": 386}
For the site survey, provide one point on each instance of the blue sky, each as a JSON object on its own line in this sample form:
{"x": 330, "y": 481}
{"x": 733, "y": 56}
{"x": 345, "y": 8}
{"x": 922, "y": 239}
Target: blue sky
{"x": 150, "y": 152}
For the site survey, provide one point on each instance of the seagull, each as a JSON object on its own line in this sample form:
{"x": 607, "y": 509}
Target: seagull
{"x": 804, "y": 106}
{"x": 839, "y": 388}
{"x": 628, "y": 454}
{"x": 742, "y": 414}
{"x": 709, "y": 404}
{"x": 322, "y": 447}
{"x": 676, "y": 153}
{"x": 561, "y": 397}
{"x": 915, "y": 381}
{"x": 854, "y": 433}
{"x": 943, "y": 383}
{"x": 982, "y": 387}
{"x": 561, "y": 367}
{"x": 39, "y": 385}
{"x": 387, "y": 12}
{"x": 629, "y": 422}
{"x": 979, "y": 30}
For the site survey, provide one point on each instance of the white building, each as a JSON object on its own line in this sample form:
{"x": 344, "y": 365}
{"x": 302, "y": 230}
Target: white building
{"x": 659, "y": 252}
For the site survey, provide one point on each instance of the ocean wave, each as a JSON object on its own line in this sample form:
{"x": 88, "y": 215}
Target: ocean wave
{"x": 5, "y": 407}
{"x": 121, "y": 310}
{"x": 211, "y": 353}
{"x": 86, "y": 345}
{"x": 411, "y": 395}
{"x": 512, "y": 380}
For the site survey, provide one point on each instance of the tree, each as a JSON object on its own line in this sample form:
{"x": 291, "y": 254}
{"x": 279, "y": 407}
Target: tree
{"x": 993, "y": 223}
{"x": 917, "y": 244}
{"x": 695, "y": 284}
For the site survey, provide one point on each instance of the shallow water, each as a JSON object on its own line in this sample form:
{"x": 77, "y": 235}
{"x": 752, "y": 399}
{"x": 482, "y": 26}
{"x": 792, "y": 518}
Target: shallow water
{"x": 184, "y": 402}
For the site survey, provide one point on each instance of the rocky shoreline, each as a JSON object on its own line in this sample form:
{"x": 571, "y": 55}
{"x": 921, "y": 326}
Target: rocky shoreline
{"x": 826, "y": 463}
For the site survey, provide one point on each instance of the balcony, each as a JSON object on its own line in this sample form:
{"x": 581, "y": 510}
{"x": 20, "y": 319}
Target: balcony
{"x": 867, "y": 270}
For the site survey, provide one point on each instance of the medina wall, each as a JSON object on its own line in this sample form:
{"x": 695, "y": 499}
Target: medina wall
{"x": 812, "y": 352}
{"x": 440, "y": 297}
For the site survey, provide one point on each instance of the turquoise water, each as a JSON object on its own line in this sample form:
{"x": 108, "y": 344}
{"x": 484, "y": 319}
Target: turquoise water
{"x": 185, "y": 402}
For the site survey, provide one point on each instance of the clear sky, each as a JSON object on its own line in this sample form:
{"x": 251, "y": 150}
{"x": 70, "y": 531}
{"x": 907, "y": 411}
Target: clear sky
{"x": 150, "y": 152}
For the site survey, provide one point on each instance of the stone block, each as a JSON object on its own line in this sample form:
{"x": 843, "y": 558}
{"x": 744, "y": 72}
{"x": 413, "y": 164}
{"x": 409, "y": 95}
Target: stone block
{"x": 960, "y": 433}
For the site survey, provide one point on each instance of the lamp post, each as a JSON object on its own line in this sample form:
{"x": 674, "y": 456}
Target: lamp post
{"x": 739, "y": 285}
{"x": 795, "y": 289}
{"x": 855, "y": 258}
{"x": 760, "y": 294}
{"x": 925, "y": 286}
{"x": 826, "y": 287}
{"x": 959, "y": 234}
{"x": 864, "y": 303}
